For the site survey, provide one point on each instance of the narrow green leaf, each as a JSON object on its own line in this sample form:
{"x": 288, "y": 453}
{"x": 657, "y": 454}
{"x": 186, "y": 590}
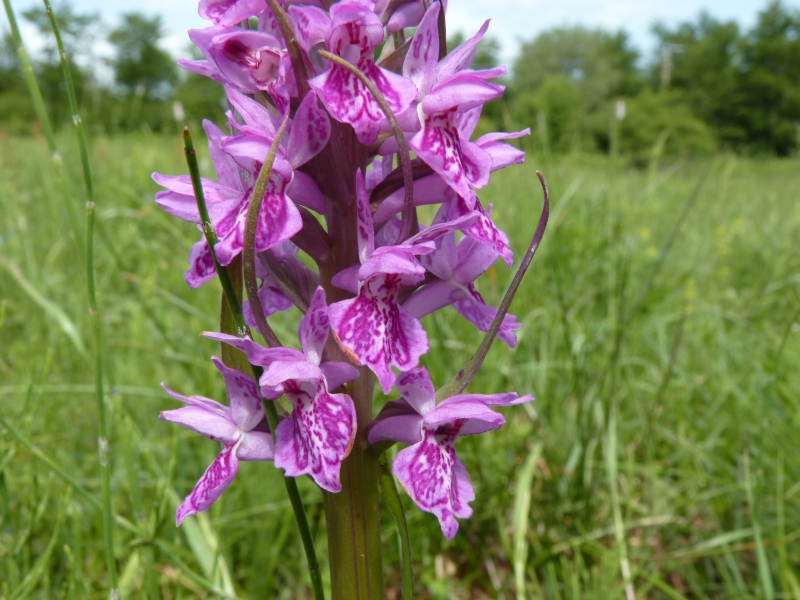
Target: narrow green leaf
{"x": 522, "y": 507}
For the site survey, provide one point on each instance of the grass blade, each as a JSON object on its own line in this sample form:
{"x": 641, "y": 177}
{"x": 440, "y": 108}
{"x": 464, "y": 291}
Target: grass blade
{"x": 522, "y": 507}
{"x": 392, "y": 498}
{"x": 51, "y": 309}
{"x": 764, "y": 575}
{"x": 94, "y": 313}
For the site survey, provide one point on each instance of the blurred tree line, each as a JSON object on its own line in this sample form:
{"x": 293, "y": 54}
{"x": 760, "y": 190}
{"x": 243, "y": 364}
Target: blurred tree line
{"x": 139, "y": 87}
{"x": 710, "y": 85}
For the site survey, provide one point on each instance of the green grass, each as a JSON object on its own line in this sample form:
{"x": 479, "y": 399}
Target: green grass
{"x": 661, "y": 338}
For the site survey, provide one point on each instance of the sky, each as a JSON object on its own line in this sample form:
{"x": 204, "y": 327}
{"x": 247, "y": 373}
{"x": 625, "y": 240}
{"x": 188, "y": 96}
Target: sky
{"x": 512, "y": 21}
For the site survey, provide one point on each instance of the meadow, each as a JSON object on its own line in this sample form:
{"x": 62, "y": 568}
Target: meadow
{"x": 661, "y": 339}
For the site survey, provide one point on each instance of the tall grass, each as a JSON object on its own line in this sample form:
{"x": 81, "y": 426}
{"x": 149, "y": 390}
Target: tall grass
{"x": 662, "y": 350}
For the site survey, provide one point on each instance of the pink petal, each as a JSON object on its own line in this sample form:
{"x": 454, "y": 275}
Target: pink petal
{"x": 311, "y": 25}
{"x": 472, "y": 307}
{"x": 272, "y": 298}
{"x": 258, "y": 120}
{"x": 397, "y": 421}
{"x": 310, "y": 131}
{"x": 246, "y": 408}
{"x": 212, "y": 425}
{"x": 427, "y": 190}
{"x": 374, "y": 331}
{"x": 214, "y": 481}
{"x": 224, "y": 165}
{"x": 201, "y": 263}
{"x": 349, "y": 101}
{"x": 280, "y": 371}
{"x": 505, "y": 399}
{"x": 229, "y": 12}
{"x": 317, "y": 436}
{"x": 458, "y": 411}
{"x": 430, "y": 298}
{"x": 459, "y": 58}
{"x": 423, "y": 54}
{"x": 484, "y": 230}
{"x": 416, "y": 387}
{"x": 314, "y": 328}
{"x": 436, "y": 480}
{"x": 256, "y": 445}
{"x": 460, "y": 163}
{"x": 364, "y": 226}
{"x": 394, "y": 261}
{"x": 256, "y": 353}
{"x": 338, "y": 373}
{"x": 464, "y": 90}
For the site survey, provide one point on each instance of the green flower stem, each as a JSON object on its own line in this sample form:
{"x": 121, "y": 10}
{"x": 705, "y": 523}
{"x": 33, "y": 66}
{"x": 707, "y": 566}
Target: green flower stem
{"x": 353, "y": 515}
{"x": 235, "y": 308}
{"x": 392, "y": 499}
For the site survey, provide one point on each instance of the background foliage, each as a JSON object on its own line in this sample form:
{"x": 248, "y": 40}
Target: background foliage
{"x": 661, "y": 338}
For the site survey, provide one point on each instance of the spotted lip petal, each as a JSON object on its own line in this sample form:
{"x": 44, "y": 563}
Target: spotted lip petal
{"x": 429, "y": 469}
{"x": 201, "y": 265}
{"x": 214, "y": 481}
{"x": 436, "y": 480}
{"x": 374, "y": 330}
{"x": 278, "y": 220}
{"x": 318, "y": 435}
{"x": 462, "y": 164}
{"x": 354, "y": 33}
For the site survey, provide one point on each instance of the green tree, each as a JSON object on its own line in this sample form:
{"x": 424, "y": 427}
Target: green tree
{"x": 770, "y": 80}
{"x": 554, "y": 112}
{"x": 700, "y": 60}
{"x": 140, "y": 66}
{"x": 16, "y": 111}
{"x": 602, "y": 64}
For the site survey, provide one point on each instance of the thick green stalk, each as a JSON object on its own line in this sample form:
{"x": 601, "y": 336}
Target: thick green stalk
{"x": 353, "y": 514}
{"x": 235, "y": 307}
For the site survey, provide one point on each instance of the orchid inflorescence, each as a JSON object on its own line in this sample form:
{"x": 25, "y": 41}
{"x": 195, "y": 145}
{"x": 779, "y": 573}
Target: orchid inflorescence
{"x": 327, "y": 103}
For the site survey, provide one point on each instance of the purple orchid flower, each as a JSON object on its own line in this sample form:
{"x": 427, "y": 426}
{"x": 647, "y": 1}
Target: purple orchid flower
{"x": 355, "y": 31}
{"x": 406, "y": 13}
{"x": 319, "y": 433}
{"x": 230, "y": 12}
{"x": 457, "y": 266}
{"x": 447, "y": 94}
{"x": 372, "y": 328}
{"x": 252, "y": 61}
{"x": 240, "y": 428}
{"x": 308, "y": 133}
{"x": 228, "y": 202}
{"x": 429, "y": 469}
